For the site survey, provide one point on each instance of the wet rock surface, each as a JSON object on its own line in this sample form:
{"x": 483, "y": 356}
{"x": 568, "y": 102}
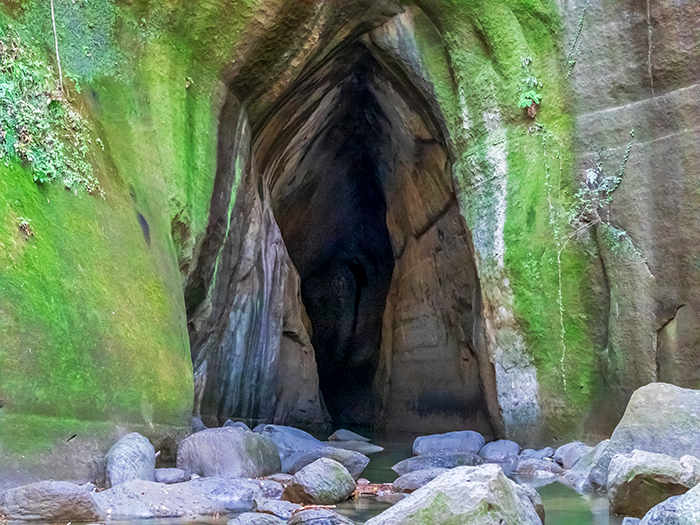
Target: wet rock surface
{"x": 461, "y": 441}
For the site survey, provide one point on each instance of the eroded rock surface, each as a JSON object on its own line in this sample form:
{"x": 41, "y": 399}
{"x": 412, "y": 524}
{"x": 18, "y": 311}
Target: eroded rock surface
{"x": 132, "y": 457}
{"x": 50, "y": 501}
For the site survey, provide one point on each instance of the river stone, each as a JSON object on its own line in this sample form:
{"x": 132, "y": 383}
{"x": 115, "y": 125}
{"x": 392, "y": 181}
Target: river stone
{"x": 235, "y": 424}
{"x": 353, "y": 461}
{"x": 578, "y": 476}
{"x": 412, "y": 481}
{"x": 640, "y": 480}
{"x": 659, "y": 418}
{"x": 319, "y": 517}
{"x": 529, "y": 492}
{"x": 356, "y": 446}
{"x": 253, "y": 518}
{"x": 323, "y": 482}
{"x": 567, "y": 455}
{"x": 170, "y": 475}
{"x": 543, "y": 453}
{"x": 444, "y": 460}
{"x": 227, "y": 452}
{"x": 271, "y": 489}
{"x": 281, "y": 509}
{"x": 146, "y": 499}
{"x": 460, "y": 441}
{"x": 50, "y": 501}
{"x": 503, "y": 453}
{"x": 537, "y": 468}
{"x": 282, "y": 479}
{"x": 480, "y": 495}
{"x": 132, "y": 457}
{"x": 346, "y": 435}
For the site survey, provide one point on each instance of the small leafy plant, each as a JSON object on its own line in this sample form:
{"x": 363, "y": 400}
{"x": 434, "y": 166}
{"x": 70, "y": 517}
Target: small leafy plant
{"x": 530, "y": 100}
{"x": 37, "y": 124}
{"x": 24, "y": 226}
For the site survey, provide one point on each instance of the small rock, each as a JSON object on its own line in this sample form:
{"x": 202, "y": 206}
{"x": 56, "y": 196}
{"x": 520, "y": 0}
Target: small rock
{"x": 544, "y": 453}
{"x": 534, "y": 469}
{"x": 236, "y": 424}
{"x": 356, "y": 446}
{"x": 319, "y": 517}
{"x": 390, "y": 497}
{"x": 578, "y": 476}
{"x": 227, "y": 452}
{"x": 253, "y": 518}
{"x": 132, "y": 457}
{"x": 170, "y": 475}
{"x": 414, "y": 480}
{"x": 323, "y": 482}
{"x": 50, "y": 501}
{"x": 460, "y": 441}
{"x": 444, "y": 460}
{"x": 346, "y": 435}
{"x": 270, "y": 488}
{"x": 281, "y": 509}
{"x": 640, "y": 480}
{"x": 567, "y": 455}
{"x": 503, "y": 453}
{"x": 197, "y": 425}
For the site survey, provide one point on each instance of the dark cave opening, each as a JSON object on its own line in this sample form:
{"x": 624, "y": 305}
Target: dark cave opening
{"x": 334, "y": 227}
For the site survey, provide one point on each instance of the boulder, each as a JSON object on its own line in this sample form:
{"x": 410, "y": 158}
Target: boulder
{"x": 170, "y": 475}
{"x": 578, "y": 476}
{"x": 254, "y": 518}
{"x": 567, "y": 455}
{"x": 356, "y": 446}
{"x": 323, "y": 482}
{"x": 291, "y": 442}
{"x": 665, "y": 513}
{"x": 640, "y": 480}
{"x": 281, "y": 509}
{"x": 50, "y": 501}
{"x": 543, "y": 453}
{"x": 528, "y": 492}
{"x": 503, "y": 453}
{"x": 412, "y": 481}
{"x": 132, "y": 457}
{"x": 201, "y": 496}
{"x": 197, "y": 425}
{"x": 235, "y": 424}
{"x": 353, "y": 461}
{"x": 444, "y": 460}
{"x": 534, "y": 468}
{"x": 460, "y": 441}
{"x": 319, "y": 517}
{"x": 659, "y": 418}
{"x": 346, "y": 435}
{"x": 465, "y": 495}
{"x": 228, "y": 452}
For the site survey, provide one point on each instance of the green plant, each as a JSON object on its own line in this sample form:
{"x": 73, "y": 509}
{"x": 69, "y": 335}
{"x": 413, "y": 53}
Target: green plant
{"x": 530, "y": 100}
{"x": 24, "y": 226}
{"x": 38, "y": 125}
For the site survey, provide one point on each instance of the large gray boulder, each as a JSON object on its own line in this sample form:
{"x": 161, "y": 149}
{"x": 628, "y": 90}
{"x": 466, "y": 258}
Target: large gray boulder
{"x": 443, "y": 460}
{"x": 659, "y": 418}
{"x": 412, "y": 481}
{"x": 228, "y": 452}
{"x": 567, "y": 455}
{"x": 323, "y": 482}
{"x": 578, "y": 476}
{"x": 466, "y": 495}
{"x": 50, "y": 501}
{"x": 640, "y": 480}
{"x": 353, "y": 461}
{"x": 132, "y": 457}
{"x": 460, "y": 441}
{"x": 202, "y": 496}
{"x": 290, "y": 442}
{"x": 319, "y": 517}
{"x": 665, "y": 513}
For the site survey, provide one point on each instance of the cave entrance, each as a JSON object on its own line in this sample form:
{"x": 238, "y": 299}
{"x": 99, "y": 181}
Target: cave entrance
{"x": 338, "y": 281}
{"x": 360, "y": 184}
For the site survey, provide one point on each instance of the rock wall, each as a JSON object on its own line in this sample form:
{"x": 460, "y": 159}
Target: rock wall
{"x": 550, "y": 314}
